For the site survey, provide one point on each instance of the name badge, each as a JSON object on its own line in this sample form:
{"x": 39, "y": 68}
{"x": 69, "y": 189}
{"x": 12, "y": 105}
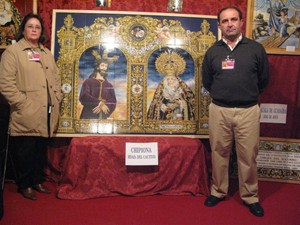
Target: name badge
{"x": 228, "y": 64}
{"x": 33, "y": 55}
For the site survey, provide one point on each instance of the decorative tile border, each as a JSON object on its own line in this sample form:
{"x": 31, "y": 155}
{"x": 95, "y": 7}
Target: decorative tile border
{"x": 279, "y": 159}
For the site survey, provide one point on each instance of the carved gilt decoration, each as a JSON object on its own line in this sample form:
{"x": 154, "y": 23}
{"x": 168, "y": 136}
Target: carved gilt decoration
{"x": 140, "y": 51}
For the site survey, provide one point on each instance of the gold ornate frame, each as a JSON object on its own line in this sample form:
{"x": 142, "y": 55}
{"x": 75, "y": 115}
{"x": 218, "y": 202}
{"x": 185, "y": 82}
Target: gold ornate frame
{"x": 282, "y": 38}
{"x": 133, "y": 43}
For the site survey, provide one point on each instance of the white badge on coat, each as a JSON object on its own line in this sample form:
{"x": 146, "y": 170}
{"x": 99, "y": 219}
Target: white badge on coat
{"x": 33, "y": 55}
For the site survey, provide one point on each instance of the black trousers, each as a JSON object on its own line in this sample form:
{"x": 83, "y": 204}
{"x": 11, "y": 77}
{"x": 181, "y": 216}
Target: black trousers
{"x": 29, "y": 158}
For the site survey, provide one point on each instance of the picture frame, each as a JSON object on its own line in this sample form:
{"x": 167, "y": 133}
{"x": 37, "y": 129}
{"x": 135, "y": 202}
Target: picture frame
{"x": 136, "y": 45}
{"x": 175, "y": 5}
{"x": 103, "y": 3}
{"x": 275, "y": 24}
{"x": 10, "y": 21}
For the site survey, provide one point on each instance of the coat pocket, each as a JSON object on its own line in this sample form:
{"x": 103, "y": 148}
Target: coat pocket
{"x": 27, "y": 118}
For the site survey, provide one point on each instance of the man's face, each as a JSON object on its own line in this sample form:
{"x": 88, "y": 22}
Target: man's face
{"x": 103, "y": 67}
{"x": 230, "y": 24}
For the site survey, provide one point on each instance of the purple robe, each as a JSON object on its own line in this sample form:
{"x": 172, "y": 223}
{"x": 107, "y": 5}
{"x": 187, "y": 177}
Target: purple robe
{"x": 89, "y": 98}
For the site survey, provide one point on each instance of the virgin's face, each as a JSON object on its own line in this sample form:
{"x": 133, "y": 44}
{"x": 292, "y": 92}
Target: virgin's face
{"x": 33, "y": 30}
{"x": 170, "y": 68}
{"x": 171, "y": 81}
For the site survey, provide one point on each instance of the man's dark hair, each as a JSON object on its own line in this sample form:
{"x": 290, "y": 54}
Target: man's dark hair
{"x": 230, "y": 7}
{"x": 29, "y": 16}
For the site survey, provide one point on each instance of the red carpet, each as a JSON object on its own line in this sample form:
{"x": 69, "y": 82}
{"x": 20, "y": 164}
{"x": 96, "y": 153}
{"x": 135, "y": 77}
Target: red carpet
{"x": 280, "y": 201}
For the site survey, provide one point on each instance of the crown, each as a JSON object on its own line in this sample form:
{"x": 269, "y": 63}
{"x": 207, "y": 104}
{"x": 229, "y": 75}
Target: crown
{"x": 167, "y": 57}
{"x": 97, "y": 56}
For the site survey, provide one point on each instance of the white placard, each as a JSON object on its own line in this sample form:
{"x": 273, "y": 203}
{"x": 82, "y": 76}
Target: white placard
{"x": 290, "y": 48}
{"x": 141, "y": 154}
{"x": 273, "y": 113}
{"x": 278, "y": 160}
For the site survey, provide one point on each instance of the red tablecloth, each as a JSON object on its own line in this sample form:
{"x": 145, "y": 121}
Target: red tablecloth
{"x": 95, "y": 167}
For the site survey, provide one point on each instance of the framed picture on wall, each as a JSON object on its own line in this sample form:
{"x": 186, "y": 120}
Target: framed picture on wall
{"x": 175, "y": 5}
{"x": 103, "y": 3}
{"x": 275, "y": 24}
{"x": 10, "y": 20}
{"x": 11, "y": 15}
{"x": 131, "y": 72}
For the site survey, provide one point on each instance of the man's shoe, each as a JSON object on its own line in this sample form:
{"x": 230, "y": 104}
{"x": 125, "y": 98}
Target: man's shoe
{"x": 256, "y": 209}
{"x": 212, "y": 200}
{"x": 28, "y": 193}
{"x": 42, "y": 189}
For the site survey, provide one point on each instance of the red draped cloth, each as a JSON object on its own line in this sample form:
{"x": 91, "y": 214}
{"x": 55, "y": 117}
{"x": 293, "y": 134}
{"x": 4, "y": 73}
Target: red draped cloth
{"x": 95, "y": 167}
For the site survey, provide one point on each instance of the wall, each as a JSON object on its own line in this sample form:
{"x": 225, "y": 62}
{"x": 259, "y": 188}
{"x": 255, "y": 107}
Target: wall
{"x": 284, "y": 87}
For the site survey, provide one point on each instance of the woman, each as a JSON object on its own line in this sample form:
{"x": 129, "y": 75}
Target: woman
{"x": 30, "y": 82}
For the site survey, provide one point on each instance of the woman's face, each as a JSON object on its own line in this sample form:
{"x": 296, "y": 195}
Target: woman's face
{"x": 170, "y": 68}
{"x": 32, "y": 30}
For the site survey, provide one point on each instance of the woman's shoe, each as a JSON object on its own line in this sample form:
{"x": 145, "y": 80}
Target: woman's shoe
{"x": 42, "y": 189}
{"x": 28, "y": 193}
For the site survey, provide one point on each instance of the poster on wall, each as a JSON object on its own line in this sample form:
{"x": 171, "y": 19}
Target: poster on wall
{"x": 275, "y": 24}
{"x": 131, "y": 72}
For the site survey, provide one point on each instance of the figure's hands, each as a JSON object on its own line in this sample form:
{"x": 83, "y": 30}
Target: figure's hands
{"x": 97, "y": 109}
{"x": 101, "y": 107}
{"x": 163, "y": 108}
{"x": 105, "y": 109}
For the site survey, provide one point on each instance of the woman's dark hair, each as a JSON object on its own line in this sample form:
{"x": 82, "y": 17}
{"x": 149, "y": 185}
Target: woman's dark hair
{"x": 29, "y": 16}
{"x": 230, "y": 7}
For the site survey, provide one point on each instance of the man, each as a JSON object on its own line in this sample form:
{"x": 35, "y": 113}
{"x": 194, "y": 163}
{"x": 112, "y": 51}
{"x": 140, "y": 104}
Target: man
{"x": 97, "y": 95}
{"x": 235, "y": 71}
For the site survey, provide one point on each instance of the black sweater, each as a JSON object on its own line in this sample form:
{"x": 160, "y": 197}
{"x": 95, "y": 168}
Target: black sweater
{"x": 241, "y": 86}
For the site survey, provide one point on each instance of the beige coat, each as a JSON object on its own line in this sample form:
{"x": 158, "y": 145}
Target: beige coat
{"x": 24, "y": 84}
